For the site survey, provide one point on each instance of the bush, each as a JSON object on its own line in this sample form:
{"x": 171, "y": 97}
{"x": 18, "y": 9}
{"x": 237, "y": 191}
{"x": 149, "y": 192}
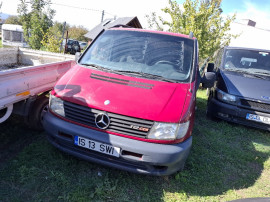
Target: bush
{"x": 50, "y": 42}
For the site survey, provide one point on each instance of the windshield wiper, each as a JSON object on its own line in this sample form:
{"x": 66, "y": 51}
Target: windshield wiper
{"x": 262, "y": 73}
{"x": 251, "y": 73}
{"x": 237, "y": 70}
{"x": 96, "y": 66}
{"x": 127, "y": 71}
{"x": 147, "y": 75}
{"x": 258, "y": 76}
{"x": 153, "y": 76}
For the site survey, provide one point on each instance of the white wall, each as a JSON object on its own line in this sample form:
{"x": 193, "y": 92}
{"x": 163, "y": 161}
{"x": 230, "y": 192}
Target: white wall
{"x": 250, "y": 37}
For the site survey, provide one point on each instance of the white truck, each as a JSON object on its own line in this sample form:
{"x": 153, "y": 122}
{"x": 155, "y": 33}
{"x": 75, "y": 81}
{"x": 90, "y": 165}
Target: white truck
{"x": 26, "y": 76}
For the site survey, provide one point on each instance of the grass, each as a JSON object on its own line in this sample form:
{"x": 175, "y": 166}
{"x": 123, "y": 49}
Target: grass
{"x": 227, "y": 162}
{"x": 1, "y": 45}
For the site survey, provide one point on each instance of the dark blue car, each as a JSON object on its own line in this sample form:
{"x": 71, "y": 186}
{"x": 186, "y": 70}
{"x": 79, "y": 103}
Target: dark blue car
{"x": 241, "y": 93}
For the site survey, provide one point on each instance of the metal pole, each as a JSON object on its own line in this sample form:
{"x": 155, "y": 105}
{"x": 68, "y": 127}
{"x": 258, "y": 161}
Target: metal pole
{"x": 66, "y": 43}
{"x": 102, "y": 16}
{"x": 64, "y": 28}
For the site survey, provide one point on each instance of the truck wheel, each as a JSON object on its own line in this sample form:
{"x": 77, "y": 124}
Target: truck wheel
{"x": 36, "y": 114}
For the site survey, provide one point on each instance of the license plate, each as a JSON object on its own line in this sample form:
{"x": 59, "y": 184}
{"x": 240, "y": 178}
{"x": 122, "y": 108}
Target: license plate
{"x": 97, "y": 146}
{"x": 261, "y": 119}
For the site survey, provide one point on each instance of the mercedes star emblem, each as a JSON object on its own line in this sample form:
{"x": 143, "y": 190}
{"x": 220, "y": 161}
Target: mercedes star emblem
{"x": 107, "y": 102}
{"x": 102, "y": 121}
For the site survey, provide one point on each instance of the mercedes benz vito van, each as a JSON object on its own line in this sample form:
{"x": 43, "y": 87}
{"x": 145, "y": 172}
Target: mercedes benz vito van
{"x": 129, "y": 103}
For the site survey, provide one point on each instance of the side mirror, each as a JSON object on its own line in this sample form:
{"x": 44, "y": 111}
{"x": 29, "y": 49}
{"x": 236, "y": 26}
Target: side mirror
{"x": 210, "y": 67}
{"x": 208, "y": 79}
{"x": 77, "y": 56}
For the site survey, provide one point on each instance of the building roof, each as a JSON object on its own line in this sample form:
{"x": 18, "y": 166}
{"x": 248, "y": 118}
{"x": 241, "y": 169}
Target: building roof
{"x": 12, "y": 27}
{"x": 130, "y": 21}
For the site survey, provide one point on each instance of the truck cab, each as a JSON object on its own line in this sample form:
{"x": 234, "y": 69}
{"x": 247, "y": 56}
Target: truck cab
{"x": 129, "y": 103}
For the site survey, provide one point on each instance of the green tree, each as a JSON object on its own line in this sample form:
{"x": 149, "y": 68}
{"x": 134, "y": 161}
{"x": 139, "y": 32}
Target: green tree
{"x": 35, "y": 22}
{"x": 13, "y": 20}
{"x": 154, "y": 22}
{"x": 203, "y": 18}
{"x": 53, "y": 38}
{"x": 51, "y": 41}
{"x": 57, "y": 28}
{"x": 77, "y": 33}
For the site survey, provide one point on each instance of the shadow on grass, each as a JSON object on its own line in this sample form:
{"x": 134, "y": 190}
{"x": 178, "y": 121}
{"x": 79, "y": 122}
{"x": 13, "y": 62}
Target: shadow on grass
{"x": 14, "y": 137}
{"x": 224, "y": 157}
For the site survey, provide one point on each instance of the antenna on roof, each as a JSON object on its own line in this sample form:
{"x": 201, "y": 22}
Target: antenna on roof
{"x": 190, "y": 35}
{"x": 106, "y": 22}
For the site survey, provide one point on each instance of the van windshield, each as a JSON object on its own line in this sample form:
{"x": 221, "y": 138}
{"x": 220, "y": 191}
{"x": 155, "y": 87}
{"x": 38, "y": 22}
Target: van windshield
{"x": 247, "y": 61}
{"x": 144, "y": 53}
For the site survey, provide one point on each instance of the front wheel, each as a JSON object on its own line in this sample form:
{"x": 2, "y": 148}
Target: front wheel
{"x": 209, "y": 114}
{"x": 37, "y": 112}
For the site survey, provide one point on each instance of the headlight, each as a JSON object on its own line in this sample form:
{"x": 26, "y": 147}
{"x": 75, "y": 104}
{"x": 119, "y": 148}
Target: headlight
{"x": 225, "y": 97}
{"x": 168, "y": 131}
{"x": 56, "y": 105}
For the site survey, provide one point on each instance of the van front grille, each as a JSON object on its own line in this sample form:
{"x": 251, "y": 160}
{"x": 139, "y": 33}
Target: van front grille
{"x": 118, "y": 123}
{"x": 255, "y": 105}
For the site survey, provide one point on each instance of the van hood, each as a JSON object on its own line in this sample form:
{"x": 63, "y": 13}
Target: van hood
{"x": 130, "y": 96}
{"x": 247, "y": 86}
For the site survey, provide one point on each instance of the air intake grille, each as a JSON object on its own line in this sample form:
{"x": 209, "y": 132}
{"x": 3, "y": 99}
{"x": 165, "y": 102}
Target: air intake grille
{"x": 118, "y": 123}
{"x": 255, "y": 105}
{"x": 122, "y": 81}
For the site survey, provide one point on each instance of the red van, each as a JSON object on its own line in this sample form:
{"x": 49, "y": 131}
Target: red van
{"x": 129, "y": 102}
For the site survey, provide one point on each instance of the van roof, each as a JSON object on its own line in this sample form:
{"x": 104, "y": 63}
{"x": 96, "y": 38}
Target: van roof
{"x": 246, "y": 48}
{"x": 152, "y": 31}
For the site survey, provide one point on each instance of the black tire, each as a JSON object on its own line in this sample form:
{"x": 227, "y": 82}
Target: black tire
{"x": 209, "y": 114}
{"x": 3, "y": 112}
{"x": 35, "y": 116}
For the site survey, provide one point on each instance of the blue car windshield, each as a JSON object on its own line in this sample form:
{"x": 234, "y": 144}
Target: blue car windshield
{"x": 126, "y": 51}
{"x": 247, "y": 61}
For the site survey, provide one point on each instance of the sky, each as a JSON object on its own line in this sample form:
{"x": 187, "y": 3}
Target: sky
{"x": 88, "y": 13}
